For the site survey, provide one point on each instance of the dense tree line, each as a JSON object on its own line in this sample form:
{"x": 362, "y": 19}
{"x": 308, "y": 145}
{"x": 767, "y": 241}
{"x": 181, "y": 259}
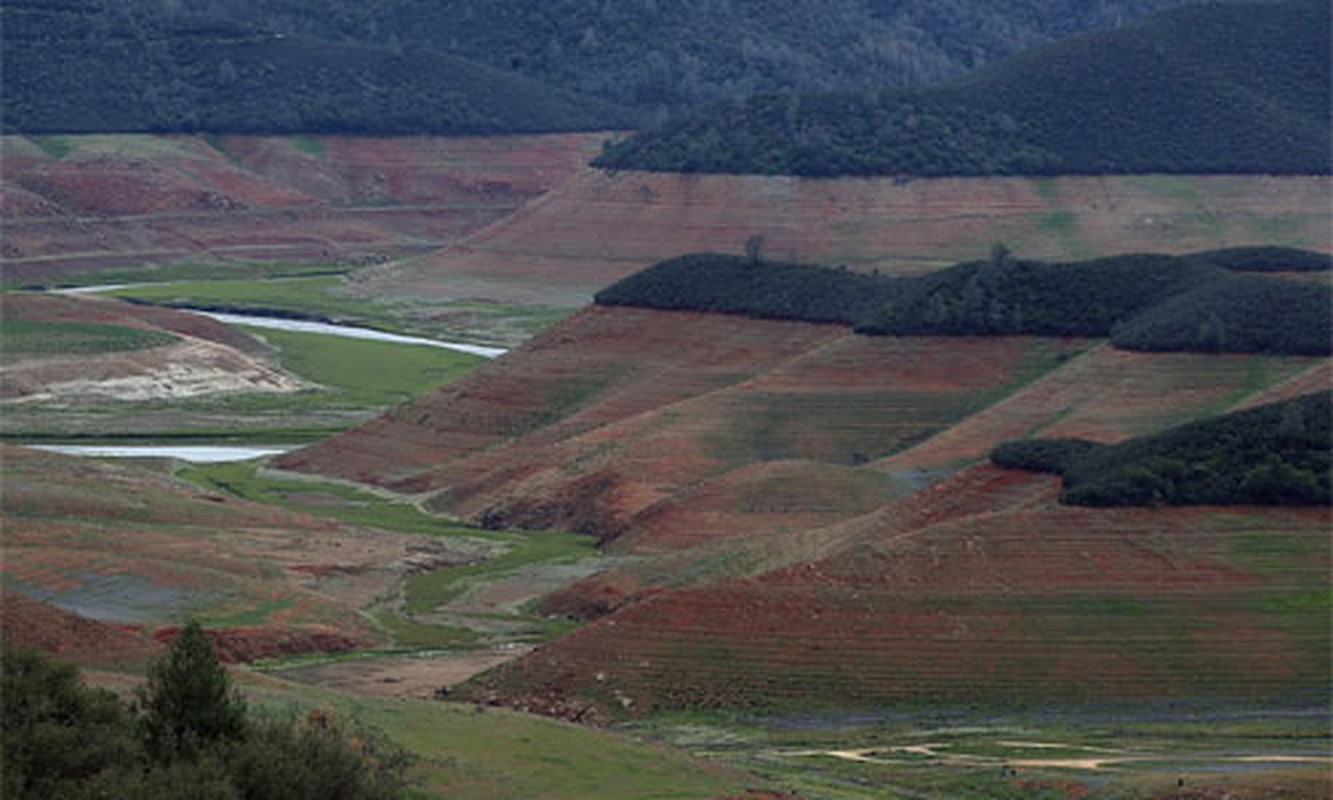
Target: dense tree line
{"x": 754, "y": 287}
{"x": 1196, "y": 302}
{"x": 188, "y": 736}
{"x": 484, "y": 65}
{"x": 1236, "y": 314}
{"x": 1008, "y": 296}
{"x": 83, "y": 66}
{"x": 1277, "y": 454}
{"x": 1213, "y": 88}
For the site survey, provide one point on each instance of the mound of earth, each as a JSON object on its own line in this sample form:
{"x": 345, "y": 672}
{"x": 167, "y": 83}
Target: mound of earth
{"x": 600, "y": 227}
{"x": 199, "y": 357}
{"x": 663, "y": 430}
{"x": 81, "y": 203}
{"x": 982, "y": 589}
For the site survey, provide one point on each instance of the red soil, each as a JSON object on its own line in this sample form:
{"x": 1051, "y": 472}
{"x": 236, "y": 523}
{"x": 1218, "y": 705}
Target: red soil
{"x": 243, "y": 645}
{"x": 25, "y": 622}
{"x": 599, "y": 227}
{"x": 617, "y": 416}
{"x": 130, "y": 200}
{"x": 70, "y": 523}
{"x": 1109, "y": 395}
{"x": 1006, "y": 596}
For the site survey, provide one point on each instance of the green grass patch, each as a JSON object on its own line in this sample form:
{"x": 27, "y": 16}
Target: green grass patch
{"x": 1319, "y": 601}
{"x": 256, "y": 615}
{"x": 359, "y": 506}
{"x": 56, "y": 147}
{"x": 366, "y": 372}
{"x": 410, "y": 633}
{"x": 186, "y": 271}
{"x": 308, "y": 145}
{"x": 428, "y": 591}
{"x": 313, "y": 297}
{"x": 40, "y": 338}
{"x": 495, "y": 754}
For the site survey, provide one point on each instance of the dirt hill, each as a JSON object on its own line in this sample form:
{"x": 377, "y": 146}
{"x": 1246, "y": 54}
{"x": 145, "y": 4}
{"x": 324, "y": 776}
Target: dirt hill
{"x": 602, "y": 226}
{"x": 74, "y": 204}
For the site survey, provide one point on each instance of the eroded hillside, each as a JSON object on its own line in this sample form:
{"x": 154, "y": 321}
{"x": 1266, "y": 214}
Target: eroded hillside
{"x": 602, "y": 226}
{"x": 83, "y": 203}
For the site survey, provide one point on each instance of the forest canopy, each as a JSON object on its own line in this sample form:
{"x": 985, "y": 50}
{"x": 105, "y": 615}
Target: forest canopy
{"x": 1276, "y": 454}
{"x": 1198, "y": 302}
{"x": 1211, "y": 88}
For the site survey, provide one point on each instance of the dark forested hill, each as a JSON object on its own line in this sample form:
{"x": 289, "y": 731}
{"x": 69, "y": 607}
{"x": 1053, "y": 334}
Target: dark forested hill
{"x": 1213, "y": 88}
{"x": 1214, "y": 301}
{"x": 1277, "y": 454}
{"x": 651, "y": 53}
{"x": 78, "y": 66}
{"x": 483, "y": 65}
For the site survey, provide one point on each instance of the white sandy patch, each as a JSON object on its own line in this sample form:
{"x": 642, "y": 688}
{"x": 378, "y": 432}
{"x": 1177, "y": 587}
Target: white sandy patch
{"x": 192, "y": 368}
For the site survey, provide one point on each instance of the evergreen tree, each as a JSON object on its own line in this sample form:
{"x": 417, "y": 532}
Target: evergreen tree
{"x": 189, "y": 702}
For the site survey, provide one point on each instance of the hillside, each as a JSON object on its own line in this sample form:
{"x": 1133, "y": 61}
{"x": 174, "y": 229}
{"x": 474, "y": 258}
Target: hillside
{"x": 84, "y": 66}
{"x": 600, "y": 227}
{"x": 616, "y": 420}
{"x": 1141, "y": 301}
{"x": 83, "y": 204}
{"x": 1212, "y": 88}
{"x": 1275, "y": 454}
{"x": 658, "y": 56}
{"x": 461, "y": 66}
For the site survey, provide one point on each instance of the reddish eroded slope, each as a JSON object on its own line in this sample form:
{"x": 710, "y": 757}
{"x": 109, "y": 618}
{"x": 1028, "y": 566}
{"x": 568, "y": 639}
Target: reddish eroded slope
{"x": 598, "y": 367}
{"x": 843, "y": 403}
{"x": 980, "y": 589}
{"x": 128, "y": 200}
{"x": 600, "y": 227}
{"x": 617, "y": 414}
{"x": 122, "y": 545}
{"x": 1109, "y": 395}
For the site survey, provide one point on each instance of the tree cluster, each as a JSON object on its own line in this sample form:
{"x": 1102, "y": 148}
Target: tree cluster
{"x": 1276, "y": 454}
{"x": 188, "y": 736}
{"x": 484, "y": 65}
{"x": 1196, "y": 302}
{"x": 87, "y": 66}
{"x": 754, "y": 287}
{"x": 1211, "y": 88}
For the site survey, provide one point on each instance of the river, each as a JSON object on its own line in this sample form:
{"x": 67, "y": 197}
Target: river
{"x": 309, "y": 326}
{"x": 197, "y": 454}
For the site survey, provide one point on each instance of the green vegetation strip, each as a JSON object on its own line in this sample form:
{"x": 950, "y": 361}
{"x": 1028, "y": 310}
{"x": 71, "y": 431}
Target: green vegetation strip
{"x": 317, "y": 297}
{"x": 26, "y": 337}
{"x": 312, "y": 297}
{"x": 368, "y": 373}
{"x": 190, "y": 271}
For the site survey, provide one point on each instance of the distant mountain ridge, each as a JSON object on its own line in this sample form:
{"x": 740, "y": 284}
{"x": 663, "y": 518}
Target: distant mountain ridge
{"x": 84, "y": 66}
{"x": 479, "y": 66}
{"x": 1214, "y": 88}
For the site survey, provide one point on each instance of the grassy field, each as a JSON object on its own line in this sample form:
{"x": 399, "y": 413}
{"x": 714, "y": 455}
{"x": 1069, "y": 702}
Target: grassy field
{"x": 351, "y": 381}
{"x": 32, "y": 338}
{"x": 190, "y": 271}
{"x": 504, "y": 555}
{"x": 1127, "y": 752}
{"x": 469, "y": 753}
{"x": 328, "y": 296}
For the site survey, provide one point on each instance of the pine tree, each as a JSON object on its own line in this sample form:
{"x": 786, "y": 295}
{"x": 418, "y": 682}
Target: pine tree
{"x": 189, "y": 702}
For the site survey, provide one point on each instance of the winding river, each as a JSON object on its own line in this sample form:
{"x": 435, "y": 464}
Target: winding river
{"x": 307, "y": 326}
